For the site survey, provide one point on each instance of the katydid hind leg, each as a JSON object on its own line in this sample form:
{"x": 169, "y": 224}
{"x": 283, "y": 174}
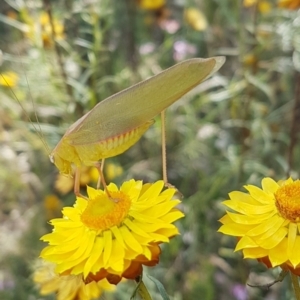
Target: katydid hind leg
{"x": 100, "y": 168}
{"x": 164, "y": 154}
{"x": 101, "y": 180}
{"x": 163, "y": 147}
{"x": 77, "y": 184}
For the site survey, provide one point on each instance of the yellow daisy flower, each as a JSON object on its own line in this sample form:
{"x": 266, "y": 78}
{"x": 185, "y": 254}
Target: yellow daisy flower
{"x": 267, "y": 222}
{"x": 69, "y": 287}
{"x": 112, "y": 237}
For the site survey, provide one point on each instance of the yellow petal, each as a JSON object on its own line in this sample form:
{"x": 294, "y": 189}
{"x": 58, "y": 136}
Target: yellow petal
{"x": 65, "y": 223}
{"x": 161, "y": 209}
{"x": 107, "y": 239}
{"x": 143, "y": 241}
{"x": 71, "y": 214}
{"x": 132, "y": 226}
{"x": 152, "y": 227}
{"x": 117, "y": 234}
{"x": 77, "y": 269}
{"x": 141, "y": 217}
{"x": 96, "y": 253}
{"x": 77, "y": 260}
{"x": 87, "y": 244}
{"x": 147, "y": 253}
{"x": 259, "y": 195}
{"x": 159, "y": 238}
{"x": 266, "y": 226}
{"x": 131, "y": 186}
{"x": 278, "y": 254}
{"x": 117, "y": 257}
{"x": 168, "y": 193}
{"x": 245, "y": 242}
{"x": 99, "y": 264}
{"x": 292, "y": 234}
{"x": 248, "y": 209}
{"x": 173, "y": 216}
{"x": 269, "y": 185}
{"x": 130, "y": 241}
{"x": 284, "y": 182}
{"x": 273, "y": 240}
{"x": 112, "y": 187}
{"x": 93, "y": 193}
{"x": 50, "y": 286}
{"x": 243, "y": 197}
{"x": 80, "y": 204}
{"x": 169, "y": 232}
{"x": 247, "y": 220}
{"x": 235, "y": 229}
{"x": 255, "y": 252}
{"x": 74, "y": 243}
{"x": 225, "y": 219}
{"x": 153, "y": 191}
{"x": 294, "y": 256}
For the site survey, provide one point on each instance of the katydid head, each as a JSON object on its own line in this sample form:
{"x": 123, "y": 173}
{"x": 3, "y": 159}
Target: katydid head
{"x": 61, "y": 164}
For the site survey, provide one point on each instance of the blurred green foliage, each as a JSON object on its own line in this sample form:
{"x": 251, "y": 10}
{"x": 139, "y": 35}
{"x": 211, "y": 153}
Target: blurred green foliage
{"x": 234, "y": 129}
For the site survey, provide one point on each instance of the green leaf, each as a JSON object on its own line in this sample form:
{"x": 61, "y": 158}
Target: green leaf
{"x": 142, "y": 290}
{"x": 160, "y": 288}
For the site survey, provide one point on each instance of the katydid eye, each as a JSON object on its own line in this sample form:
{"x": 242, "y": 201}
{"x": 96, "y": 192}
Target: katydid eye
{"x": 51, "y": 157}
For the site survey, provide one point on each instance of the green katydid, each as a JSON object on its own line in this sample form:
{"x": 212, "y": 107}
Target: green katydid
{"x": 118, "y": 122}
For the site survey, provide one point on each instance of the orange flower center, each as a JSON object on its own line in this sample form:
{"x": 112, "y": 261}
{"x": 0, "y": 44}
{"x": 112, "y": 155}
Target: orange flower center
{"x": 103, "y": 212}
{"x": 288, "y": 201}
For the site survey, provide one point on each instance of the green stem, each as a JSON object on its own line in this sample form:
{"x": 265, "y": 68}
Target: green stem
{"x": 296, "y": 286}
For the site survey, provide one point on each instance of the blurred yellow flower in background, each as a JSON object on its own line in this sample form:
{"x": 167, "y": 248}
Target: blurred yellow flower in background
{"x": 9, "y": 79}
{"x": 113, "y": 171}
{"x": 195, "y": 18}
{"x": 289, "y": 4}
{"x": 151, "y": 4}
{"x": 64, "y": 184}
{"x": 52, "y": 206}
{"x": 249, "y": 3}
{"x": 250, "y": 59}
{"x": 264, "y": 7}
{"x": 113, "y": 237}
{"x": 69, "y": 287}
{"x": 42, "y": 29}
{"x": 267, "y": 222}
